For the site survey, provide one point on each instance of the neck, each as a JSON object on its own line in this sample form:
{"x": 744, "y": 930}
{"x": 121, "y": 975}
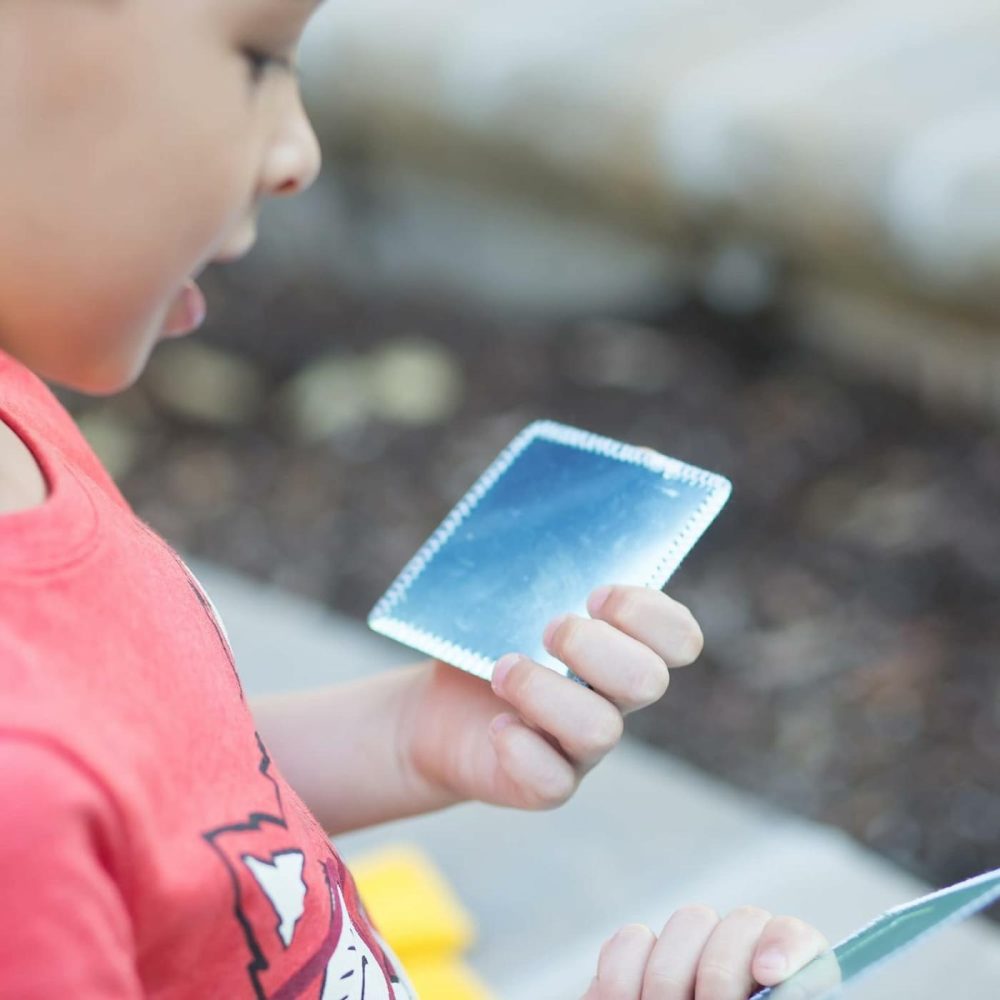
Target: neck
{"x": 22, "y": 484}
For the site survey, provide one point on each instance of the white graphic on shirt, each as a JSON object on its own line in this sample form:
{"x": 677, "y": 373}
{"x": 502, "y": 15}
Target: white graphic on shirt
{"x": 283, "y": 884}
{"x": 209, "y": 605}
{"x": 307, "y": 934}
{"x": 403, "y": 987}
{"x": 353, "y": 973}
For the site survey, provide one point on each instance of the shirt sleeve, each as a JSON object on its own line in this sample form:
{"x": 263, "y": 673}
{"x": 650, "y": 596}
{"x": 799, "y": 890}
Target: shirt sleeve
{"x": 64, "y": 925}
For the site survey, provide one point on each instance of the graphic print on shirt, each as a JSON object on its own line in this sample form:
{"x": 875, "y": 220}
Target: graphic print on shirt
{"x": 213, "y": 615}
{"x": 306, "y": 929}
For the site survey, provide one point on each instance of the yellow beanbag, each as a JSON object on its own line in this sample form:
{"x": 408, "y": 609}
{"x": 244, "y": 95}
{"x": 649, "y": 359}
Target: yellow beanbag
{"x": 422, "y": 921}
{"x": 444, "y": 979}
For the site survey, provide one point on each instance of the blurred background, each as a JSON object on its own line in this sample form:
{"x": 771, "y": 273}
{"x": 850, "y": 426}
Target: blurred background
{"x": 762, "y": 237}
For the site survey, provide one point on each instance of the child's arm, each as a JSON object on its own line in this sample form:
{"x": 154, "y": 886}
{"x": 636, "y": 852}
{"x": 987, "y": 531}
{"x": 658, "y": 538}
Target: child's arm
{"x": 700, "y": 957}
{"x": 341, "y": 749}
{"x": 420, "y": 739}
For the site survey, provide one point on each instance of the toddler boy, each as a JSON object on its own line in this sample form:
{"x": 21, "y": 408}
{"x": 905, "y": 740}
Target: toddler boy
{"x": 151, "y": 844}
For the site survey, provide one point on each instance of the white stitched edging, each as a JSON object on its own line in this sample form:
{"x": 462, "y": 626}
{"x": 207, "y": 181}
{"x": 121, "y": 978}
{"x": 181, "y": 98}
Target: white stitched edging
{"x": 433, "y": 645}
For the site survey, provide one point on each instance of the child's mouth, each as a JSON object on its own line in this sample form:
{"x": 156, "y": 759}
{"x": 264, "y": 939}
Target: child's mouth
{"x": 187, "y": 312}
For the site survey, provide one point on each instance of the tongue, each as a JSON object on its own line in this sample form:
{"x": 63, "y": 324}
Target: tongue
{"x": 187, "y": 312}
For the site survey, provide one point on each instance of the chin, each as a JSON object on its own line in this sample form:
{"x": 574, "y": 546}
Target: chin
{"x": 103, "y": 377}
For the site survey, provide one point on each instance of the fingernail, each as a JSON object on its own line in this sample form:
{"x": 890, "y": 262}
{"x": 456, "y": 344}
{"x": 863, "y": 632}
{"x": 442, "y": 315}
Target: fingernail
{"x": 597, "y": 600}
{"x": 773, "y": 962}
{"x": 501, "y": 722}
{"x": 551, "y": 629}
{"x": 611, "y": 940}
{"x": 502, "y": 668}
{"x": 634, "y": 932}
{"x": 618, "y": 937}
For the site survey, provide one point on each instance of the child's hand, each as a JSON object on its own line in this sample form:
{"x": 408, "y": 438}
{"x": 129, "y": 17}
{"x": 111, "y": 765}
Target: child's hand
{"x": 529, "y": 740}
{"x": 700, "y": 957}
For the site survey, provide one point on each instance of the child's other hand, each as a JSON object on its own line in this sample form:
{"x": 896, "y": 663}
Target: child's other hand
{"x": 700, "y": 957}
{"x": 529, "y": 740}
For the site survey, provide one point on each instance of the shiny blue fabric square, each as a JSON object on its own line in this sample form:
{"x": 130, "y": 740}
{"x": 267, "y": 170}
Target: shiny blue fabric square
{"x": 557, "y": 514}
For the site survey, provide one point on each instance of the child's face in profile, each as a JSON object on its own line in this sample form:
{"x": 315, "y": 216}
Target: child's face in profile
{"x": 139, "y": 138}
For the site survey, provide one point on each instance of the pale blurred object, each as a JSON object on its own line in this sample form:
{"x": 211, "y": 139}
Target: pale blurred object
{"x": 621, "y": 155}
{"x": 410, "y": 381}
{"x": 205, "y": 384}
{"x": 422, "y": 919}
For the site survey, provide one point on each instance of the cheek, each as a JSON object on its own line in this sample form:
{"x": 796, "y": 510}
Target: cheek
{"x": 116, "y": 206}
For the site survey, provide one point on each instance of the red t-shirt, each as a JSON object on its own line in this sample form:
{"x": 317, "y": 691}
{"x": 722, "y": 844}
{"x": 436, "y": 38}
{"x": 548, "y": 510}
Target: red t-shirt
{"x": 149, "y": 846}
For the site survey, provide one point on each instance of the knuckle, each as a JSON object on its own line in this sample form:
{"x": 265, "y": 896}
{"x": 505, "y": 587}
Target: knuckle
{"x": 665, "y": 983}
{"x": 691, "y": 641}
{"x": 789, "y": 925}
{"x": 564, "y": 638}
{"x": 653, "y": 683}
{"x": 553, "y": 790}
{"x": 647, "y": 684}
{"x": 750, "y": 913}
{"x": 697, "y": 912}
{"x": 717, "y": 982}
{"x": 797, "y": 932}
{"x": 620, "y": 606}
{"x": 520, "y": 681}
{"x": 607, "y": 733}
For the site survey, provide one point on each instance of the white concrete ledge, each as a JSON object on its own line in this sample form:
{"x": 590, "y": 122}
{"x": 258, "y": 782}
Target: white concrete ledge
{"x": 863, "y": 129}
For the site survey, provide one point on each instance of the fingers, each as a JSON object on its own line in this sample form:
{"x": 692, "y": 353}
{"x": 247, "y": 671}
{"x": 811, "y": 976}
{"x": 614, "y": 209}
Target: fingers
{"x": 724, "y": 969}
{"x": 622, "y": 964}
{"x": 673, "y": 965}
{"x": 785, "y": 946}
{"x": 700, "y": 957}
{"x": 530, "y": 772}
{"x": 652, "y": 618}
{"x": 585, "y": 725}
{"x": 625, "y": 649}
{"x": 620, "y": 667}
{"x": 816, "y": 980}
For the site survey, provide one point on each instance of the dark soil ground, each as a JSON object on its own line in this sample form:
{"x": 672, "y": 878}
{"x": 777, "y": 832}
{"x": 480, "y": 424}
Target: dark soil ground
{"x": 849, "y": 594}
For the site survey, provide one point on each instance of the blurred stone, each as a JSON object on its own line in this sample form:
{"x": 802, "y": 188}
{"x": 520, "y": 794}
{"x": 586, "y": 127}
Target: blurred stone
{"x": 740, "y": 278}
{"x": 791, "y": 594}
{"x": 409, "y": 381}
{"x": 975, "y": 812}
{"x": 414, "y": 381}
{"x": 807, "y": 651}
{"x": 116, "y": 443}
{"x": 204, "y": 384}
{"x": 950, "y": 360}
{"x": 207, "y": 479}
{"x": 328, "y": 397}
{"x": 896, "y": 518}
{"x": 806, "y": 738}
{"x": 621, "y": 355}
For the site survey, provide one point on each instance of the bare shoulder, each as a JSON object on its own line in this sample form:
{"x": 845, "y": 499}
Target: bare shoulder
{"x": 22, "y": 484}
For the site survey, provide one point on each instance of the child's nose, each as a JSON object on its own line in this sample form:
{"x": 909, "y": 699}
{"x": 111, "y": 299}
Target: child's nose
{"x": 294, "y": 159}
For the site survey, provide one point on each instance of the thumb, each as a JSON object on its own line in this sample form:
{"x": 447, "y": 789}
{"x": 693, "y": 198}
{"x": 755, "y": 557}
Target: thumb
{"x": 622, "y": 965}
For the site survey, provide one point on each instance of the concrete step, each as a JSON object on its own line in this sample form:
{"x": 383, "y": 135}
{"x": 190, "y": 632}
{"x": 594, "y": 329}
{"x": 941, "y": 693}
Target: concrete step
{"x": 644, "y": 834}
{"x": 853, "y": 135}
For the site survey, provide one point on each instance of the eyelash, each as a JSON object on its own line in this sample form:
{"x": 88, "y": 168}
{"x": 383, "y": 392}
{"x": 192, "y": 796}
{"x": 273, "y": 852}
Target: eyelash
{"x": 261, "y": 62}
